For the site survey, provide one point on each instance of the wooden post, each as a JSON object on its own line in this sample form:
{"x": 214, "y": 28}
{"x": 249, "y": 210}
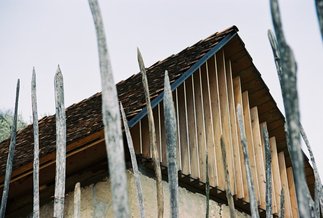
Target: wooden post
{"x": 171, "y": 141}
{"x": 287, "y": 70}
{"x": 60, "y": 146}
{"x": 112, "y": 121}
{"x": 319, "y": 11}
{"x": 36, "y": 145}
{"x": 134, "y": 164}
{"x": 252, "y": 195}
{"x": 268, "y": 172}
{"x": 77, "y": 201}
{"x": 11, "y": 153}
{"x": 227, "y": 179}
{"x": 152, "y": 136}
{"x": 318, "y": 195}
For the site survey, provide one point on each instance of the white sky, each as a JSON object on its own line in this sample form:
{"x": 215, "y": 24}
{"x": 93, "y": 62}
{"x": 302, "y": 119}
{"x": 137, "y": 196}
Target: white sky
{"x": 47, "y": 33}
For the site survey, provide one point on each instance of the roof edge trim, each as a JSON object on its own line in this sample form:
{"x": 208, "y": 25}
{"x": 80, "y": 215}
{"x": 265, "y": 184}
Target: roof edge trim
{"x": 183, "y": 77}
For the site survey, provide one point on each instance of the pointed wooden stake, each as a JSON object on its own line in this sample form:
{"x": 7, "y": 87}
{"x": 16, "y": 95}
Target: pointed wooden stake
{"x": 152, "y": 137}
{"x": 60, "y": 146}
{"x": 77, "y": 200}
{"x": 36, "y": 145}
{"x": 134, "y": 164}
{"x": 112, "y": 121}
{"x": 319, "y": 12}
{"x": 318, "y": 195}
{"x": 268, "y": 172}
{"x": 11, "y": 153}
{"x": 171, "y": 141}
{"x": 287, "y": 72}
{"x": 252, "y": 195}
{"x": 227, "y": 179}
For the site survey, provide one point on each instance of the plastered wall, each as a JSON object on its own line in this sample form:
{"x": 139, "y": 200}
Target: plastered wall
{"x": 96, "y": 201}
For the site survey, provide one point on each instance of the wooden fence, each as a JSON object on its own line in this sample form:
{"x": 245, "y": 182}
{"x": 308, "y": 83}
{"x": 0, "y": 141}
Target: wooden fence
{"x": 199, "y": 117}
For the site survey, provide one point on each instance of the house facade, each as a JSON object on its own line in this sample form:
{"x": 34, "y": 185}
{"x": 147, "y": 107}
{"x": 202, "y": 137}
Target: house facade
{"x": 209, "y": 80}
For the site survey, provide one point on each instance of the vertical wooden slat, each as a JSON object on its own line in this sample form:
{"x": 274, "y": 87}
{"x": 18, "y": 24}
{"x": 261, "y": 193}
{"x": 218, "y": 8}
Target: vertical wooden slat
{"x": 210, "y": 142}
{"x": 259, "y": 154}
{"x": 145, "y": 138}
{"x": 157, "y": 130}
{"x": 216, "y": 116}
{"x": 225, "y": 116}
{"x": 192, "y": 129}
{"x": 292, "y": 191}
{"x": 234, "y": 133}
{"x": 275, "y": 171}
{"x": 275, "y": 205}
{"x": 179, "y": 158}
{"x": 187, "y": 129}
{"x": 282, "y": 204}
{"x": 135, "y": 133}
{"x": 247, "y": 120}
{"x": 284, "y": 181}
{"x": 183, "y": 130}
{"x": 140, "y": 136}
{"x": 200, "y": 123}
{"x": 238, "y": 100}
{"x": 196, "y": 125}
{"x": 160, "y": 146}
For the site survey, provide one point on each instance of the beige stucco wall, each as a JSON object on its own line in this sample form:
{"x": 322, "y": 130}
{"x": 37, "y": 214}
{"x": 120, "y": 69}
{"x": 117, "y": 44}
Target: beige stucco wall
{"x": 96, "y": 201}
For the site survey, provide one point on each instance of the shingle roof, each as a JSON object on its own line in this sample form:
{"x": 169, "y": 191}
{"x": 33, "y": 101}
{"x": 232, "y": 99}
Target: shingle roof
{"x": 84, "y": 118}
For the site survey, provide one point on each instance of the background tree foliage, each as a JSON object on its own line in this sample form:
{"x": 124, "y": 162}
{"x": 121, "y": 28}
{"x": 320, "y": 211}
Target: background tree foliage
{"x": 6, "y": 119}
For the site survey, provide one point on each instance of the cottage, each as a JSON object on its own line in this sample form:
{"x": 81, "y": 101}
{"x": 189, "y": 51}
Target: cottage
{"x": 209, "y": 80}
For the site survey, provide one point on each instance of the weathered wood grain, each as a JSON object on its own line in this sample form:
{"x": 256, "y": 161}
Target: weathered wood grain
{"x": 268, "y": 172}
{"x": 171, "y": 141}
{"x": 318, "y": 194}
{"x": 11, "y": 153}
{"x": 134, "y": 163}
{"x": 227, "y": 179}
{"x": 152, "y": 136}
{"x": 77, "y": 201}
{"x": 36, "y": 146}
{"x": 287, "y": 73}
{"x": 319, "y": 11}
{"x": 252, "y": 194}
{"x": 60, "y": 175}
{"x": 282, "y": 204}
{"x": 111, "y": 121}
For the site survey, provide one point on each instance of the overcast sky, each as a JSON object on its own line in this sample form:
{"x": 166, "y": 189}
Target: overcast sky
{"x": 47, "y": 33}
